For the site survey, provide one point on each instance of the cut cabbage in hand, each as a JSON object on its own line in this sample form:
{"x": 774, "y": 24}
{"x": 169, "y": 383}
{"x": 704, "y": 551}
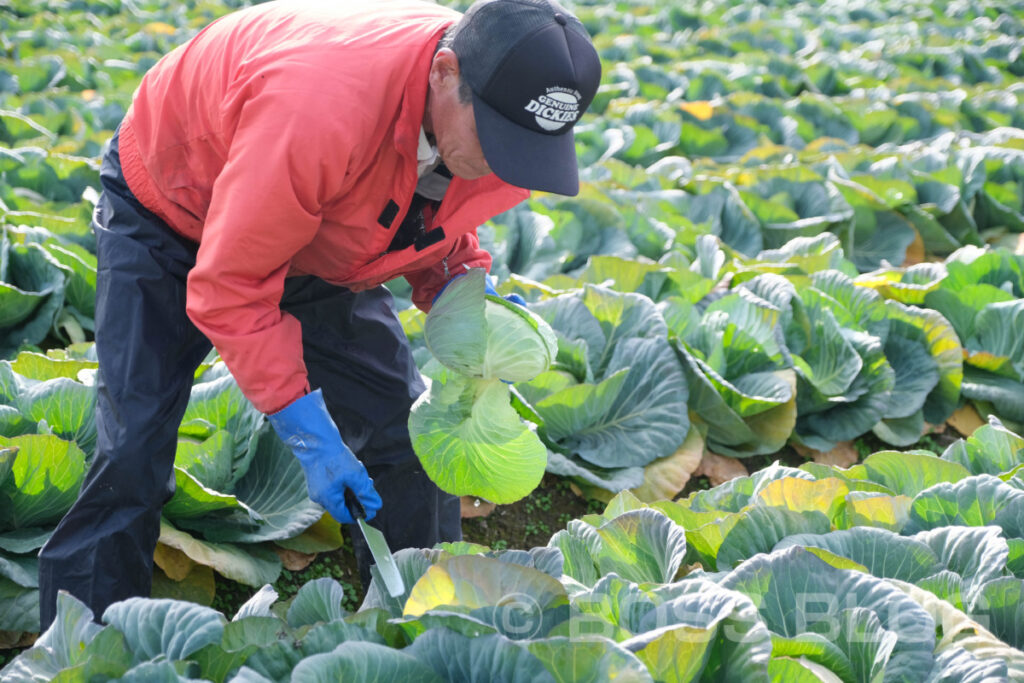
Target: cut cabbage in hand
{"x": 468, "y": 437}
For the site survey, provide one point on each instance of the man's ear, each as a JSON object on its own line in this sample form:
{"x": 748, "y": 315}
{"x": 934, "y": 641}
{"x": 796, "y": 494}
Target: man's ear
{"x": 444, "y": 69}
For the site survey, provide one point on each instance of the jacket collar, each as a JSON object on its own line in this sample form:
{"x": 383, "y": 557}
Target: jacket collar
{"x": 414, "y": 98}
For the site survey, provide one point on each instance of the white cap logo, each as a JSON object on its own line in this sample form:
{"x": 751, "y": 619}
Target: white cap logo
{"x": 556, "y": 108}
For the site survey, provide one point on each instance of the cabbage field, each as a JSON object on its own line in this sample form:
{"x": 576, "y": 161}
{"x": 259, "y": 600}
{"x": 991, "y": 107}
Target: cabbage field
{"x": 775, "y": 346}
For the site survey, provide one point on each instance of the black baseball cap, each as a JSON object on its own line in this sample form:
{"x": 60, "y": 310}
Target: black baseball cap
{"x": 533, "y": 71}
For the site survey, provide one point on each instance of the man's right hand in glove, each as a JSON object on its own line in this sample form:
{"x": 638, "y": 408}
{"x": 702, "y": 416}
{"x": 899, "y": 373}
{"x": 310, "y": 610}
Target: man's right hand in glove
{"x": 330, "y": 467}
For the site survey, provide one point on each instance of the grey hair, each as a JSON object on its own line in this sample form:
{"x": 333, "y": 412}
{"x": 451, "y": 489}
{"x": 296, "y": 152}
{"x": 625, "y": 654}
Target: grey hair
{"x": 448, "y": 41}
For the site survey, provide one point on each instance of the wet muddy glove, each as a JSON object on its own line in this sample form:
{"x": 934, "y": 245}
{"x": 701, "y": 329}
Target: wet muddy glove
{"x": 330, "y": 467}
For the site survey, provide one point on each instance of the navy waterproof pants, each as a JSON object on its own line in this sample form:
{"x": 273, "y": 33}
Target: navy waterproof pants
{"x": 354, "y": 349}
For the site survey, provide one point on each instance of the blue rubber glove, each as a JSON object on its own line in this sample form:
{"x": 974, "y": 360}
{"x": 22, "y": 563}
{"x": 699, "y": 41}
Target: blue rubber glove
{"x": 330, "y": 467}
{"x": 488, "y": 289}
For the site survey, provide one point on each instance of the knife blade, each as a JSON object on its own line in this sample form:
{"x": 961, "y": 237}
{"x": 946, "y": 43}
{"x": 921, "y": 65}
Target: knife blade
{"x": 378, "y": 545}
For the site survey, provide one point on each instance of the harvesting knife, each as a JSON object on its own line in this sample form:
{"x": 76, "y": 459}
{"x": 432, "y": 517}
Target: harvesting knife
{"x": 382, "y": 556}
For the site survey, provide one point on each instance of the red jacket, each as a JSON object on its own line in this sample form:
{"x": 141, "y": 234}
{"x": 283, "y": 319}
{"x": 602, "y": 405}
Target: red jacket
{"x": 277, "y": 138}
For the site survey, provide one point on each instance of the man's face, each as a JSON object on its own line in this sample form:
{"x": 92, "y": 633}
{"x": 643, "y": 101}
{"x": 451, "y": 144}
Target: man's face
{"x": 452, "y": 121}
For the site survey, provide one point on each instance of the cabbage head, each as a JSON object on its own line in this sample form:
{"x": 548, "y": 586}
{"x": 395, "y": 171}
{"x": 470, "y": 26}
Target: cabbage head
{"x": 485, "y": 336}
{"x": 468, "y": 437}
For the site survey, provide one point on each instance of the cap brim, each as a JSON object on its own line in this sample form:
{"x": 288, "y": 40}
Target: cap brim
{"x": 526, "y": 158}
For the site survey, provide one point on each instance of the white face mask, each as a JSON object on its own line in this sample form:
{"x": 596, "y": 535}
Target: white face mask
{"x": 427, "y": 157}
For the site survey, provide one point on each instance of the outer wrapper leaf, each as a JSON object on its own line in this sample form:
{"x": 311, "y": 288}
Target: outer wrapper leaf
{"x": 45, "y": 476}
{"x": 471, "y": 441}
{"x": 795, "y": 592}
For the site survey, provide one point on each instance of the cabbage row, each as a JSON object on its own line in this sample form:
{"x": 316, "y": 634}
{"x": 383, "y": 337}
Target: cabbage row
{"x": 239, "y": 490}
{"x": 889, "y": 206}
{"x": 707, "y": 348}
{"x": 907, "y": 567}
{"x": 784, "y": 49}
{"x": 67, "y": 72}
{"x": 894, "y": 125}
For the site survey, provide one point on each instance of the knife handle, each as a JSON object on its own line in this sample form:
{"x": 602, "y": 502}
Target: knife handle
{"x": 355, "y": 508}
